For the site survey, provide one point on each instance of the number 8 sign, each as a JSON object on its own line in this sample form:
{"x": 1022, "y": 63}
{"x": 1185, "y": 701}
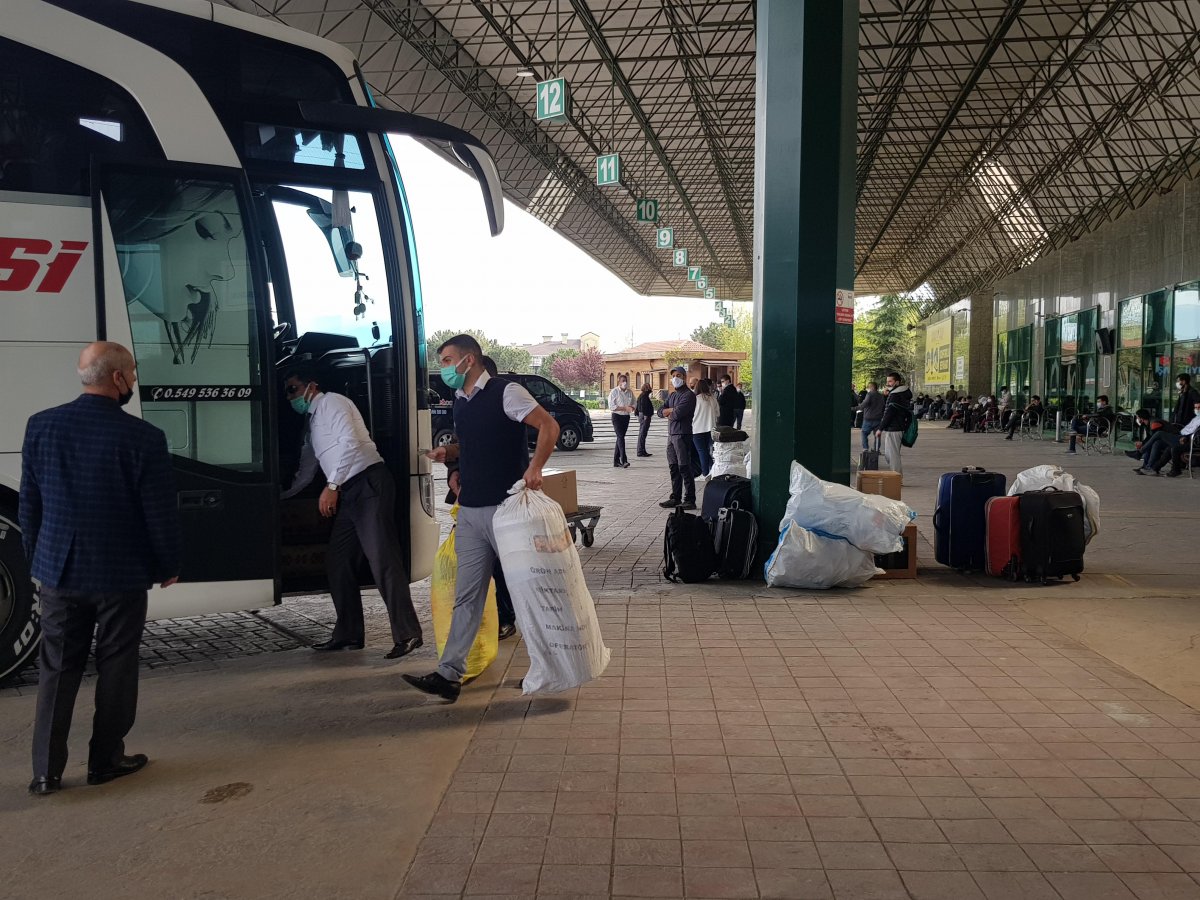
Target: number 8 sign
{"x": 681, "y": 258}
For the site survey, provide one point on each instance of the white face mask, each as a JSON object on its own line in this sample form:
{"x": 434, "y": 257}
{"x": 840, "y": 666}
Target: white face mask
{"x": 624, "y": 385}
{"x": 677, "y": 382}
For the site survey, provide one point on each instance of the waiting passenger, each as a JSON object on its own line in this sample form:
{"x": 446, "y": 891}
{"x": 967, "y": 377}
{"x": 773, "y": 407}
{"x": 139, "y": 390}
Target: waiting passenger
{"x": 1188, "y": 398}
{"x": 897, "y": 411}
{"x": 871, "y": 408}
{"x": 1032, "y": 415}
{"x": 1181, "y": 444}
{"x": 1099, "y": 423}
{"x": 1144, "y": 425}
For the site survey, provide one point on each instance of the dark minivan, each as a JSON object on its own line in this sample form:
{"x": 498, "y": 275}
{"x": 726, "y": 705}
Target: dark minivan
{"x": 574, "y": 422}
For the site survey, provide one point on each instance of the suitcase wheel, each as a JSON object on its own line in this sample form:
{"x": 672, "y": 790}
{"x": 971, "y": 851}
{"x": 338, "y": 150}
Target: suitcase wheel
{"x": 1076, "y": 577}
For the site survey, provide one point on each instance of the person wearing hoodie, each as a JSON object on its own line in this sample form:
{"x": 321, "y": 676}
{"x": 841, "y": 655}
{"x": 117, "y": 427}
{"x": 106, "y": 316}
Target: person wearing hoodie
{"x": 897, "y": 410}
{"x": 871, "y": 408}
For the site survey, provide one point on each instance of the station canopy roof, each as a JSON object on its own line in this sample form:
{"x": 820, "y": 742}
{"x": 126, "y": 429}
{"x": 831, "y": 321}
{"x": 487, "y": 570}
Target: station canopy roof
{"x": 989, "y": 132}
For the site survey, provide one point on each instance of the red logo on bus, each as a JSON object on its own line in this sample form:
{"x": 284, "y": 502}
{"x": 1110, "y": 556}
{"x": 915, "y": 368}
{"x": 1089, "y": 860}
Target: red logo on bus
{"x": 18, "y": 272}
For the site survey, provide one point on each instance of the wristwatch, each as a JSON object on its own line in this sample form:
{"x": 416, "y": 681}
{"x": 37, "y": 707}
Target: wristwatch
{"x": 332, "y": 486}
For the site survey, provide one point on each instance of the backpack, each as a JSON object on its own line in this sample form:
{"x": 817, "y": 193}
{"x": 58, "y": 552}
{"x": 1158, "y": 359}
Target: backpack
{"x": 688, "y": 552}
{"x": 910, "y": 433}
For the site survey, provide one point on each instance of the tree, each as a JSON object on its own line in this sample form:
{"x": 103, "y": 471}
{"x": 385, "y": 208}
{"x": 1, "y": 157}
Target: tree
{"x": 510, "y": 359}
{"x": 579, "y": 372}
{"x": 549, "y": 361}
{"x": 714, "y": 334}
{"x": 884, "y": 340}
{"x": 739, "y": 336}
{"x": 507, "y": 357}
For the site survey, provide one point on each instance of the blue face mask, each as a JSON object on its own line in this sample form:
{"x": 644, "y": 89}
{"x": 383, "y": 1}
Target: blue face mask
{"x": 453, "y": 378}
{"x": 300, "y": 403}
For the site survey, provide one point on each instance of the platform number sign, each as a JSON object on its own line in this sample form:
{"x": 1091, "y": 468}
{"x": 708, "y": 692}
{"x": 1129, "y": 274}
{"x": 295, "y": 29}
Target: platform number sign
{"x": 701, "y": 284}
{"x": 665, "y": 238}
{"x": 693, "y": 273}
{"x": 680, "y": 258}
{"x": 647, "y": 210}
{"x": 608, "y": 169}
{"x": 553, "y": 100}
{"x": 710, "y": 293}
{"x": 719, "y": 306}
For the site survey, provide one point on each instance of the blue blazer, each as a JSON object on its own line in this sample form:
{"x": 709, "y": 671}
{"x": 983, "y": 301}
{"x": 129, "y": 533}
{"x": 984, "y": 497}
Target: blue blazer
{"x": 98, "y": 509}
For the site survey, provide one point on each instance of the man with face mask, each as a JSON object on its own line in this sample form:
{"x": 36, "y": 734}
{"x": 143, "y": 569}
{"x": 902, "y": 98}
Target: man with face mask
{"x": 490, "y": 418}
{"x": 99, "y": 525}
{"x": 1099, "y": 423}
{"x": 1183, "y": 442}
{"x": 1187, "y": 400}
{"x": 620, "y": 404}
{"x": 897, "y": 411}
{"x": 679, "y": 409}
{"x": 360, "y": 496}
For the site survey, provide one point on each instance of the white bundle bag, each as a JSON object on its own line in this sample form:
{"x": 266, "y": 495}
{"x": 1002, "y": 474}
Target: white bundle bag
{"x": 870, "y": 522}
{"x": 804, "y": 559}
{"x": 730, "y": 458}
{"x": 553, "y": 605}
{"x": 1040, "y": 477}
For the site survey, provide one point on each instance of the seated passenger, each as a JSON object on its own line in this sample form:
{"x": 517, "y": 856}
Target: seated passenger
{"x": 1032, "y": 415}
{"x": 1155, "y": 449}
{"x": 1181, "y": 445}
{"x": 1144, "y": 425}
{"x": 1098, "y": 423}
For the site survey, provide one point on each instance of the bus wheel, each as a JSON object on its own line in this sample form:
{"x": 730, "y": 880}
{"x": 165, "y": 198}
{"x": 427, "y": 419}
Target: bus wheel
{"x": 443, "y": 438}
{"x": 20, "y": 611}
{"x": 568, "y": 438}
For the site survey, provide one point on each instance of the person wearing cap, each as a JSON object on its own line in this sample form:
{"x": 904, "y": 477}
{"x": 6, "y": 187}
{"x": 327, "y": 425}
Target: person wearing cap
{"x": 679, "y": 409}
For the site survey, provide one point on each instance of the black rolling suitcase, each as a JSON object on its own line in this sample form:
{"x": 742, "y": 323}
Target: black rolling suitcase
{"x": 1052, "y": 538}
{"x": 724, "y": 492}
{"x": 735, "y": 536}
{"x": 870, "y": 461}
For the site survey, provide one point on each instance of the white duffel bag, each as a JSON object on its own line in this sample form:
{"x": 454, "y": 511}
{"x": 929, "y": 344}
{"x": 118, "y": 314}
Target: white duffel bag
{"x": 807, "y": 560}
{"x": 553, "y": 605}
{"x": 730, "y": 459}
{"x": 869, "y": 521}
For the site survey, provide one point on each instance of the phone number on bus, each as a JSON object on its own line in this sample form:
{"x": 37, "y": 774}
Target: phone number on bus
{"x": 160, "y": 393}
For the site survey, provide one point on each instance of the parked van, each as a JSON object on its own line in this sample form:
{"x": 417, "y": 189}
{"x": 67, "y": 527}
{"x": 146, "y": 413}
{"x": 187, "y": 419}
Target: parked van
{"x": 574, "y": 422}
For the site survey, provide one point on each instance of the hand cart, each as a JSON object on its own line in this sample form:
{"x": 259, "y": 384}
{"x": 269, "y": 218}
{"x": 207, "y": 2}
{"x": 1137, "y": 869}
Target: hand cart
{"x": 583, "y": 521}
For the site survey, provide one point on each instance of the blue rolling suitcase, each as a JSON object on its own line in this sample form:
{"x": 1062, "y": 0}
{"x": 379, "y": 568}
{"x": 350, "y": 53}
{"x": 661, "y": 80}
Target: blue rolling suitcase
{"x": 960, "y": 520}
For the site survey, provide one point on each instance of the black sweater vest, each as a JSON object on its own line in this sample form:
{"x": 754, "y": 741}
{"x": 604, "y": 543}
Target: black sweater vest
{"x": 493, "y": 450}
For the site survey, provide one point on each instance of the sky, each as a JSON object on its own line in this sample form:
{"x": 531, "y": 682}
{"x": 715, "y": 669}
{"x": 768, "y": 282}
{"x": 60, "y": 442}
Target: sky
{"x": 527, "y": 282}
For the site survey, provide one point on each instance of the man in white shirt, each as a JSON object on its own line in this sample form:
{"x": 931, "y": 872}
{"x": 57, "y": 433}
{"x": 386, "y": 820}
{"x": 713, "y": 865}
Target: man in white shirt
{"x": 620, "y": 403}
{"x": 1183, "y": 444}
{"x": 360, "y": 496}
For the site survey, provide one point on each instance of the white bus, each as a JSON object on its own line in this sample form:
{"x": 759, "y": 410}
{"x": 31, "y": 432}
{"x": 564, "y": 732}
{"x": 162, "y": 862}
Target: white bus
{"x": 217, "y": 192}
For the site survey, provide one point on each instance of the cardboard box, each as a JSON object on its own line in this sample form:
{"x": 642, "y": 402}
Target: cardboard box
{"x": 560, "y": 485}
{"x": 879, "y": 482}
{"x": 902, "y": 564}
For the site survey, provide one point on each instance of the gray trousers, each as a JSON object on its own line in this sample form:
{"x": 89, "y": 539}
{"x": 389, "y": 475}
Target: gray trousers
{"x": 68, "y": 619}
{"x": 889, "y": 443}
{"x": 475, "y": 545}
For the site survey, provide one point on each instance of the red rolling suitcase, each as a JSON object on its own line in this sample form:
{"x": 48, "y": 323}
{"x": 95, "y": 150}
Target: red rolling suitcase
{"x": 1003, "y": 537}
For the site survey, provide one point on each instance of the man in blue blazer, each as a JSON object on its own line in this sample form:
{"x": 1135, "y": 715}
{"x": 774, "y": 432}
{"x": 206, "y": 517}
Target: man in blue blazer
{"x": 99, "y": 524}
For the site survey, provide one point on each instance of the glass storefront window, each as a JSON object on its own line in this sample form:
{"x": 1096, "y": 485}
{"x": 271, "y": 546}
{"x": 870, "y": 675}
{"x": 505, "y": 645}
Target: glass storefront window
{"x": 1185, "y": 358}
{"x": 1157, "y": 328}
{"x": 1069, "y": 335}
{"x": 1130, "y": 323}
{"x": 1156, "y": 374}
{"x": 1186, "y": 326}
{"x": 1129, "y": 380}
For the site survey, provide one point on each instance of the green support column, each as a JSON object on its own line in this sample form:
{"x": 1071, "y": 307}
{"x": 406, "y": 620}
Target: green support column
{"x": 804, "y": 196}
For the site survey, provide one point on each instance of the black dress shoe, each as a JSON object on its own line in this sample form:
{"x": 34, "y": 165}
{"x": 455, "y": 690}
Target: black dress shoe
{"x": 507, "y": 631}
{"x": 644, "y": 455}
{"x": 625, "y": 465}
{"x": 435, "y": 684}
{"x": 688, "y": 504}
{"x": 126, "y": 766}
{"x": 339, "y": 644}
{"x": 404, "y": 648}
{"x": 44, "y": 787}
{"x": 669, "y": 504}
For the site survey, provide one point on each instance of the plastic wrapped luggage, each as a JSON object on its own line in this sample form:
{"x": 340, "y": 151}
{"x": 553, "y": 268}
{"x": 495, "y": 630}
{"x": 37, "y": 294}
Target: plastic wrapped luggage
{"x": 1003, "y": 536}
{"x": 1052, "y": 539}
{"x": 804, "y": 559}
{"x": 959, "y": 521}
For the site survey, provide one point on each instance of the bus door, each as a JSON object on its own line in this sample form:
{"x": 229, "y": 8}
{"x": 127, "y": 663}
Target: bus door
{"x": 184, "y": 287}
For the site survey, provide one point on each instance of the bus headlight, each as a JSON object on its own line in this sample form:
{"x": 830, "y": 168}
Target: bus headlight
{"x": 425, "y": 488}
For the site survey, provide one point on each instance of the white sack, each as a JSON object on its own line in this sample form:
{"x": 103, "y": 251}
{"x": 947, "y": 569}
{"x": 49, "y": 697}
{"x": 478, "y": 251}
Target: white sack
{"x": 553, "y": 605}
{"x": 807, "y": 560}
{"x": 730, "y": 459}
{"x": 870, "y": 522}
{"x": 1040, "y": 477}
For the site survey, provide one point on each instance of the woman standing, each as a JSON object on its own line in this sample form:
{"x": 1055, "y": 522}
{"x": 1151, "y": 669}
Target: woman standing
{"x": 620, "y": 401}
{"x": 704, "y": 422}
{"x": 645, "y": 413}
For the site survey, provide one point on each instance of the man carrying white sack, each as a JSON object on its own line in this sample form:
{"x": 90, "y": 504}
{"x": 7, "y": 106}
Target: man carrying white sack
{"x": 490, "y": 415}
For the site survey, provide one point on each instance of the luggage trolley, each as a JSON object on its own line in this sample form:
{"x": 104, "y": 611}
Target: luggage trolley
{"x": 583, "y": 522}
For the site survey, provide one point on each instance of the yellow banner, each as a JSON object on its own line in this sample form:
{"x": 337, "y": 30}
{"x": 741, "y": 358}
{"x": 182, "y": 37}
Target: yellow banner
{"x": 937, "y": 352}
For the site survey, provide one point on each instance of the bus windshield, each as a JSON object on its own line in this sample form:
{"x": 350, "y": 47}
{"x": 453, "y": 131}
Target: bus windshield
{"x": 336, "y": 280}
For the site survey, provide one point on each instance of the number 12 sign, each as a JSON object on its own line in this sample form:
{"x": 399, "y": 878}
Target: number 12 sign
{"x": 553, "y": 100}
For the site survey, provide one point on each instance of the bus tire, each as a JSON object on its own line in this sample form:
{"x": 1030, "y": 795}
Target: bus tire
{"x": 569, "y": 438}
{"x": 20, "y": 608}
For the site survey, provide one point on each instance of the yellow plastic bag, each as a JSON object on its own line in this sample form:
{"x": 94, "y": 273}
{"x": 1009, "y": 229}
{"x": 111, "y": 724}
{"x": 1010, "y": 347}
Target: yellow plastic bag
{"x": 441, "y": 600}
